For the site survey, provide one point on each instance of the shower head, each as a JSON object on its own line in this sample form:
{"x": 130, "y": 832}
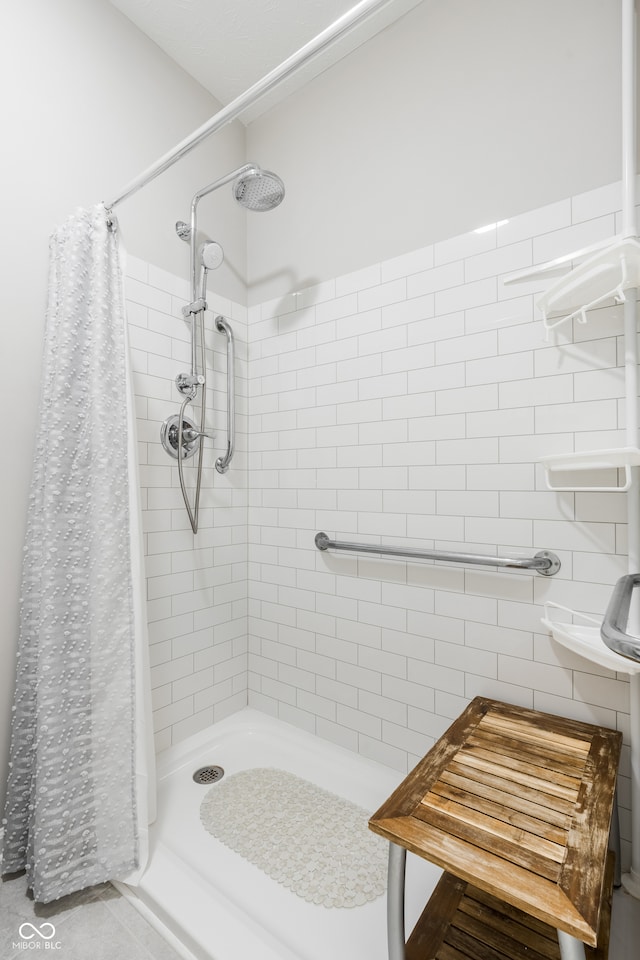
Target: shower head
{"x": 258, "y": 190}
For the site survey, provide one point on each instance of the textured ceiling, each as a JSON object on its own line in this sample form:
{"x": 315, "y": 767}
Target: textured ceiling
{"x": 227, "y": 45}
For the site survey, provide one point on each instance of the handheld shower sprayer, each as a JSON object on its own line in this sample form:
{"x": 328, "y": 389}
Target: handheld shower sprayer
{"x": 211, "y": 255}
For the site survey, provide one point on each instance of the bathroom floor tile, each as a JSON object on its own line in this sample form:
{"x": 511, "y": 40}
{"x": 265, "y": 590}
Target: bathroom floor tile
{"x": 625, "y": 927}
{"x": 96, "y": 923}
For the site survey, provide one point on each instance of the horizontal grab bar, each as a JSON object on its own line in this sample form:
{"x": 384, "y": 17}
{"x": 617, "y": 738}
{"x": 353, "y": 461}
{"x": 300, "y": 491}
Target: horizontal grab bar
{"x": 614, "y": 626}
{"x": 544, "y": 562}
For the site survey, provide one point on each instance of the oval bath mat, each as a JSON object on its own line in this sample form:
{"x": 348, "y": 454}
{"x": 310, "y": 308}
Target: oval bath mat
{"x": 314, "y": 843}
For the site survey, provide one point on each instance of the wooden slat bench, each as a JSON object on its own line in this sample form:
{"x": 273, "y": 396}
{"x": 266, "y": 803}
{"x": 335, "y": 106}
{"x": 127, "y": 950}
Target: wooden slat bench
{"x": 518, "y": 804}
{"x": 461, "y": 922}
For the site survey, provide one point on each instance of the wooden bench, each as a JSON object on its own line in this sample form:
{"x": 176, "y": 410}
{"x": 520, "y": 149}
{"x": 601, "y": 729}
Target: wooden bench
{"x": 517, "y": 804}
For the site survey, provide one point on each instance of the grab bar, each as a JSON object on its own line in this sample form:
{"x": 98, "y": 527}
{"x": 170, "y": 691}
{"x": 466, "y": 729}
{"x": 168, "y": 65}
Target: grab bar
{"x": 222, "y": 463}
{"x": 544, "y": 562}
{"x": 614, "y": 626}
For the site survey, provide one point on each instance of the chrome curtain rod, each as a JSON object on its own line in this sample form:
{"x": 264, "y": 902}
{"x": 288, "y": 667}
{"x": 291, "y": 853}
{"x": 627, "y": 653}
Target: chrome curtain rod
{"x": 288, "y": 67}
{"x": 544, "y": 562}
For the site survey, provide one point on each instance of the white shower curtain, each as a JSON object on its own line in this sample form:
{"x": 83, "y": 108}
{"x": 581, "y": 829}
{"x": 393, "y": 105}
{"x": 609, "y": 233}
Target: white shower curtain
{"x": 77, "y": 806}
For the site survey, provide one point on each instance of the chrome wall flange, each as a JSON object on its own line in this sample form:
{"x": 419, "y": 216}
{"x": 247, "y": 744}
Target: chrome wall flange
{"x": 321, "y": 541}
{"x": 188, "y": 384}
{"x": 554, "y": 563}
{"x": 169, "y": 437}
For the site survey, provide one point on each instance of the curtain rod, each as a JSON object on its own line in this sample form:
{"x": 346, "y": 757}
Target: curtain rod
{"x": 544, "y": 562}
{"x": 288, "y": 67}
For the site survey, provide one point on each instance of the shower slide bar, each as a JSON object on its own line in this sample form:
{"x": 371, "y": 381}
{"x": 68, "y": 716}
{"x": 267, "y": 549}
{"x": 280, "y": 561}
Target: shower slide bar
{"x": 545, "y": 563}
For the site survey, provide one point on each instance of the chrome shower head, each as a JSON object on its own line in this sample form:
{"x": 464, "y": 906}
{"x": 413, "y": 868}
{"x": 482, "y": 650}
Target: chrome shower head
{"x": 258, "y": 190}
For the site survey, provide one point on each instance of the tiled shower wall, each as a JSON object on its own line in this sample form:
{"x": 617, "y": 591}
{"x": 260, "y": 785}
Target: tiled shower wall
{"x": 407, "y": 404}
{"x": 196, "y": 586}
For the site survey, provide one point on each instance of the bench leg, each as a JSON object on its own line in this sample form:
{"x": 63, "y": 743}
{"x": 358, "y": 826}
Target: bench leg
{"x": 614, "y": 842}
{"x": 570, "y": 948}
{"x": 395, "y": 901}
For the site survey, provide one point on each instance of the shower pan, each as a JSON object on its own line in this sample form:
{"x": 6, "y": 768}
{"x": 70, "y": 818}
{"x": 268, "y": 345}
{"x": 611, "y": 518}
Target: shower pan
{"x": 216, "y": 903}
{"x": 254, "y": 189}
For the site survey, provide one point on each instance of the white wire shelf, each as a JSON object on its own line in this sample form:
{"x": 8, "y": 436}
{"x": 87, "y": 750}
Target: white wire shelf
{"x": 585, "y": 640}
{"x": 603, "y": 276}
{"x": 559, "y": 264}
{"x": 613, "y": 459}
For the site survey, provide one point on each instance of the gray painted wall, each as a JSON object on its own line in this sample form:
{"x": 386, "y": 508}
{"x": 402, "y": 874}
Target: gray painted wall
{"x": 460, "y": 114}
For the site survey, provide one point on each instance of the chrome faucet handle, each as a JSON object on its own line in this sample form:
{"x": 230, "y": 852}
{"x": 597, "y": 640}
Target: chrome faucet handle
{"x": 189, "y": 435}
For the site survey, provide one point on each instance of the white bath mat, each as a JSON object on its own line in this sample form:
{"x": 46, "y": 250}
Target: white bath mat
{"x": 314, "y": 843}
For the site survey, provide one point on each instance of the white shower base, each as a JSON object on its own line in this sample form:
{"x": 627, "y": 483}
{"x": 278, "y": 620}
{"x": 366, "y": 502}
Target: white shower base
{"x": 219, "y": 906}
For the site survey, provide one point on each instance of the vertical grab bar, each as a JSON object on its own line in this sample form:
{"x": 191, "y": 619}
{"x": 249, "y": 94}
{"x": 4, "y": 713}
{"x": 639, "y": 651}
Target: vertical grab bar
{"x": 222, "y": 463}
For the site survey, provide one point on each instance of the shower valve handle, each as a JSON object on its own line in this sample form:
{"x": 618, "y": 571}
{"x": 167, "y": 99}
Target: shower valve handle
{"x": 190, "y": 435}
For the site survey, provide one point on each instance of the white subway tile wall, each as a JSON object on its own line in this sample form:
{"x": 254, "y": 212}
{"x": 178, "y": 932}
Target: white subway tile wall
{"x": 407, "y": 403}
{"x": 196, "y": 586}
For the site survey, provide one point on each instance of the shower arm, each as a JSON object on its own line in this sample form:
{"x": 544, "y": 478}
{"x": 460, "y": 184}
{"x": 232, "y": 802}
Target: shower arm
{"x": 197, "y": 197}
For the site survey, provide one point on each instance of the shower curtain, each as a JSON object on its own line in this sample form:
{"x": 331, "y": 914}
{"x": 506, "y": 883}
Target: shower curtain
{"x": 78, "y": 804}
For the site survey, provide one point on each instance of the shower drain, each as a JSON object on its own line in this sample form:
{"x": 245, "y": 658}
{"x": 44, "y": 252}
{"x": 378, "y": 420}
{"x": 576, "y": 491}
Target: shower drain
{"x": 208, "y": 774}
